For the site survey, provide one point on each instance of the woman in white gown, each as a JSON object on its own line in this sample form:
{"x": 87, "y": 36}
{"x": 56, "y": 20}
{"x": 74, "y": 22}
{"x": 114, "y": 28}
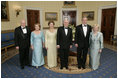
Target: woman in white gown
{"x": 50, "y": 44}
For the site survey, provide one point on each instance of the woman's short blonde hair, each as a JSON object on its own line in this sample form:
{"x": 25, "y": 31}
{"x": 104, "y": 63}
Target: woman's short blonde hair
{"x": 96, "y": 25}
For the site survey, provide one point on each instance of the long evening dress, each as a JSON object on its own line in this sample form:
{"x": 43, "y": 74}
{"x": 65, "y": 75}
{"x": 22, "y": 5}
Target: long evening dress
{"x": 50, "y": 42}
{"x": 37, "y": 54}
{"x": 96, "y": 43}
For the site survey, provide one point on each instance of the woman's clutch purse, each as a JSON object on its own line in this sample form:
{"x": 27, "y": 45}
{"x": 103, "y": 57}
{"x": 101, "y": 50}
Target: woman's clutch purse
{"x": 44, "y": 52}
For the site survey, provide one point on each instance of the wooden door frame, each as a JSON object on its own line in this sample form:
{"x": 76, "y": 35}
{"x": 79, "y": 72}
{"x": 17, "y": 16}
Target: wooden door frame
{"x": 100, "y": 16}
{"x": 40, "y": 12}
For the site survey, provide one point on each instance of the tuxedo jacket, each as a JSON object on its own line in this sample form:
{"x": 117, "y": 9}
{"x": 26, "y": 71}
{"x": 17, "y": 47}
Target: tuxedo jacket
{"x": 80, "y": 38}
{"x": 62, "y": 39}
{"x": 22, "y": 40}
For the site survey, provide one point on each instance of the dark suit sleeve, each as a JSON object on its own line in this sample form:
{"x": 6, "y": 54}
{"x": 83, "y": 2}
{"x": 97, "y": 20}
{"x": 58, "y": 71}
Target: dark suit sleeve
{"x": 58, "y": 37}
{"x": 71, "y": 37}
{"x": 76, "y": 35}
{"x": 29, "y": 34}
{"x": 29, "y": 31}
{"x": 90, "y": 29}
{"x": 16, "y": 38}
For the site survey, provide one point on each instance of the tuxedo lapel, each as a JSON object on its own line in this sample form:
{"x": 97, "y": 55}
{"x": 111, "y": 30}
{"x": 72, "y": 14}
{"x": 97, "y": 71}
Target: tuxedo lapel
{"x": 87, "y": 31}
{"x": 21, "y": 32}
{"x": 68, "y": 31}
{"x": 63, "y": 31}
{"x": 82, "y": 30}
{"x": 27, "y": 29}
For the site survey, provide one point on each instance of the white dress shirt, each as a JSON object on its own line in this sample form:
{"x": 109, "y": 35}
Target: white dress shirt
{"x": 84, "y": 29}
{"x": 66, "y": 31}
{"x": 24, "y": 30}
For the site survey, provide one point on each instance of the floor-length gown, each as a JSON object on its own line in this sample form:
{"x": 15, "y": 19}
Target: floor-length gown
{"x": 96, "y": 43}
{"x": 50, "y": 42}
{"x": 37, "y": 54}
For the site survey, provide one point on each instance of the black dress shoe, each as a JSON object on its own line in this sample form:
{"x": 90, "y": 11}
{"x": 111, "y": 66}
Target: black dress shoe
{"x": 83, "y": 67}
{"x": 61, "y": 67}
{"x": 79, "y": 67}
{"x": 66, "y": 67}
{"x": 22, "y": 67}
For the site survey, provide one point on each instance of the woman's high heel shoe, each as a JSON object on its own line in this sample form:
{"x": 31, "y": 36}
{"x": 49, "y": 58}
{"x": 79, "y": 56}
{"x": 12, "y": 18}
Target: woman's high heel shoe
{"x": 37, "y": 67}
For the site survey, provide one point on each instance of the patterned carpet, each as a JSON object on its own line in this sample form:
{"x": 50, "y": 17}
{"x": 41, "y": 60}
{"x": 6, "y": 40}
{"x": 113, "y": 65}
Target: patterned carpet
{"x": 107, "y": 69}
{"x": 72, "y": 66}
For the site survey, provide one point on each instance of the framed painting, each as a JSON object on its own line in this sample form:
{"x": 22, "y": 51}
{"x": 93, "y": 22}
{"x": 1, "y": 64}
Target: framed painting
{"x": 88, "y": 14}
{"x": 69, "y": 3}
{"x": 71, "y": 15}
{"x": 4, "y": 11}
{"x": 51, "y": 16}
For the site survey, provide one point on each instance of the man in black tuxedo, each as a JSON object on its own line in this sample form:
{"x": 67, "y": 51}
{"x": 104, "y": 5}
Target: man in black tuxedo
{"x": 22, "y": 43}
{"x": 82, "y": 42}
{"x": 64, "y": 43}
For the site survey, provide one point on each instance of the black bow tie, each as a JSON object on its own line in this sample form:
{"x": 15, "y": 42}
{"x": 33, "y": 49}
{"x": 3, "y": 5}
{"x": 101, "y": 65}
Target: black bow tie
{"x": 65, "y": 28}
{"x": 85, "y": 25}
{"x": 24, "y": 28}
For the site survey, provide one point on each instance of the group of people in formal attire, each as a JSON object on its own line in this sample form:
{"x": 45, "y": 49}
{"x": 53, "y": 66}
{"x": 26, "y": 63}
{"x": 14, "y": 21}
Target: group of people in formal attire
{"x": 87, "y": 40}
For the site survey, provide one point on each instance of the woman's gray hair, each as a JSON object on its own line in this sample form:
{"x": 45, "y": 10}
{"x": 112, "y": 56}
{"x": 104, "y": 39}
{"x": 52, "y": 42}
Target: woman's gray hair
{"x": 66, "y": 19}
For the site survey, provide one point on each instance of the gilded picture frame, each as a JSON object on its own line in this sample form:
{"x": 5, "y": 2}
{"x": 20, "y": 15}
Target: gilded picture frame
{"x": 51, "y": 16}
{"x": 69, "y": 3}
{"x": 89, "y": 15}
{"x": 4, "y": 11}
